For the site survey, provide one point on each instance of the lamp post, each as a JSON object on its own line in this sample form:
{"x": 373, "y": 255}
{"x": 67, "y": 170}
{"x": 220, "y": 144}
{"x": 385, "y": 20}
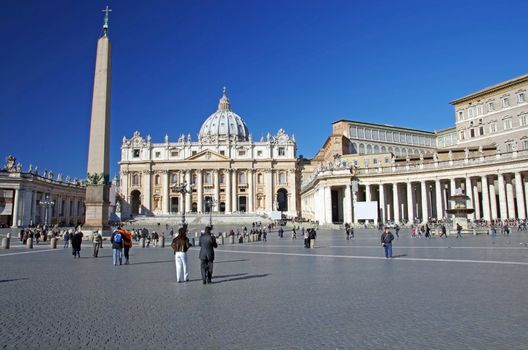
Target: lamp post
{"x": 183, "y": 189}
{"x": 210, "y": 204}
{"x": 46, "y": 204}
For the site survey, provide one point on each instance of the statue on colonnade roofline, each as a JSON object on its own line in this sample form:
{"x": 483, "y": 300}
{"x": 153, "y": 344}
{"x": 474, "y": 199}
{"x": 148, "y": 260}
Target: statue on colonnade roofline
{"x": 10, "y": 163}
{"x": 450, "y": 155}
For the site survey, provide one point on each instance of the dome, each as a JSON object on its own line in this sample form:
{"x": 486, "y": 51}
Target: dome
{"x": 224, "y": 124}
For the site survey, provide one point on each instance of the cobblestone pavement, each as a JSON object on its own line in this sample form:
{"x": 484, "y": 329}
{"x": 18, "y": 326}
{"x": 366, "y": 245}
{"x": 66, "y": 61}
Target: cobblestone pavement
{"x": 449, "y": 293}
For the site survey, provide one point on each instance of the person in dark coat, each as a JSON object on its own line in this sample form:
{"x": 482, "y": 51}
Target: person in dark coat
{"x": 207, "y": 245}
{"x": 76, "y": 244}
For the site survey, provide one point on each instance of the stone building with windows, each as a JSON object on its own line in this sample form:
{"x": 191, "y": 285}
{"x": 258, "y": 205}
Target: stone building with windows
{"x": 224, "y": 166}
{"x": 410, "y": 174}
{"x": 29, "y": 198}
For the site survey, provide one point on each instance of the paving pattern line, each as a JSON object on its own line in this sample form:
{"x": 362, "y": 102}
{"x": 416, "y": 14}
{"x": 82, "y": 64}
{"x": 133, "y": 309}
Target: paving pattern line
{"x": 378, "y": 258}
{"x": 33, "y": 251}
{"x": 395, "y": 247}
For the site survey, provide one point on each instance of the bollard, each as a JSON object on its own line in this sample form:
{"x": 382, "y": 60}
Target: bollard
{"x": 232, "y": 239}
{"x": 29, "y": 243}
{"x": 53, "y": 243}
{"x": 5, "y": 243}
{"x": 192, "y": 241}
{"x": 312, "y": 243}
{"x": 224, "y": 234}
{"x": 196, "y": 235}
{"x": 222, "y": 240}
{"x": 162, "y": 242}
{"x": 142, "y": 242}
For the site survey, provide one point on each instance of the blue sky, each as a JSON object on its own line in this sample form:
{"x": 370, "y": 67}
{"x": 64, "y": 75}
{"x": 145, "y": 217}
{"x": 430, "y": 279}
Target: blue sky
{"x": 299, "y": 65}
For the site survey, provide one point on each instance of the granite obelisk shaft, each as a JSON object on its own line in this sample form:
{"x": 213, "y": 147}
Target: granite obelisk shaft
{"x": 97, "y": 188}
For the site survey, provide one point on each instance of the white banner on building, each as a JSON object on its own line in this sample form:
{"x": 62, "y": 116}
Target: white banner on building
{"x": 6, "y": 202}
{"x": 366, "y": 210}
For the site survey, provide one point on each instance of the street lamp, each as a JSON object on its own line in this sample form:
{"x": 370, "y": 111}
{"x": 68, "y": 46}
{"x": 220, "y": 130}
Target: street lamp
{"x": 46, "y": 204}
{"x": 210, "y": 204}
{"x": 183, "y": 189}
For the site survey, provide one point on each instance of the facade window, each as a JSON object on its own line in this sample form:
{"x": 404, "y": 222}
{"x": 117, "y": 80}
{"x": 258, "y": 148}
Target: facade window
{"x": 525, "y": 145}
{"x": 193, "y": 153}
{"x": 375, "y": 161}
{"x": 387, "y": 160}
{"x": 389, "y": 136}
{"x": 471, "y": 112}
{"x": 520, "y": 98}
{"x": 174, "y": 178}
{"x": 403, "y": 138}
{"x": 368, "y": 134}
{"x": 523, "y": 120}
{"x": 157, "y": 154}
{"x": 156, "y": 180}
{"x": 282, "y": 152}
{"x": 460, "y": 115}
{"x": 174, "y": 153}
{"x": 259, "y": 153}
{"x": 135, "y": 153}
{"x": 375, "y": 134}
{"x": 479, "y": 110}
{"x": 242, "y": 178}
{"x": 361, "y": 133}
{"x": 491, "y": 107}
{"x": 282, "y": 178}
{"x": 481, "y": 130}
{"x": 493, "y": 127}
{"x": 472, "y": 133}
{"x": 461, "y": 135}
{"x": 505, "y": 102}
{"x": 353, "y": 131}
{"x": 383, "y": 136}
{"x": 208, "y": 178}
{"x": 135, "y": 180}
{"x": 509, "y": 147}
{"x": 507, "y": 124}
{"x": 222, "y": 153}
{"x": 241, "y": 153}
{"x": 222, "y": 178}
{"x": 260, "y": 179}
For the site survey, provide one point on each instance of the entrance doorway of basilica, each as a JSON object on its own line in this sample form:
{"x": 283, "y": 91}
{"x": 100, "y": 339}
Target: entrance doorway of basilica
{"x": 222, "y": 207}
{"x": 337, "y": 206}
{"x": 135, "y": 202}
{"x": 174, "y": 205}
{"x": 242, "y": 204}
{"x": 282, "y": 200}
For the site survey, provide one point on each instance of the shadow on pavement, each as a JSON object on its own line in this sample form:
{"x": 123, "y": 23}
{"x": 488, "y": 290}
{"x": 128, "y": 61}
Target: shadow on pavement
{"x": 241, "y": 278}
{"x": 233, "y": 275}
{"x": 399, "y": 256}
{"x": 153, "y": 262}
{"x": 230, "y": 261}
{"x": 13, "y": 280}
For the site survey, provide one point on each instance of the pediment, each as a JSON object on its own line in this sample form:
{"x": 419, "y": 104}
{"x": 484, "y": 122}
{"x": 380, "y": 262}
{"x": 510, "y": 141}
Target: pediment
{"x": 207, "y": 155}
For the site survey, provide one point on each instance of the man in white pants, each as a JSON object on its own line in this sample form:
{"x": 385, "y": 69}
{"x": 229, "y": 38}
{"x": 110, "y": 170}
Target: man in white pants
{"x": 180, "y": 245}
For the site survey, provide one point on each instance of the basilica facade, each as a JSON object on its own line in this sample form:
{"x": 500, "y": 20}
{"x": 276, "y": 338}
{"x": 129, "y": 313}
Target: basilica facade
{"x": 223, "y": 171}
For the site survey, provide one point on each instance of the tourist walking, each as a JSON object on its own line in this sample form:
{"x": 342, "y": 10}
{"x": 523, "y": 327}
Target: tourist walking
{"x": 459, "y": 231}
{"x": 397, "y": 230}
{"x": 180, "y": 245}
{"x": 66, "y": 238}
{"x": 207, "y": 245}
{"x": 76, "y": 242}
{"x": 444, "y": 231}
{"x": 386, "y": 241}
{"x": 117, "y": 247}
{"x": 307, "y": 239}
{"x": 127, "y": 244}
{"x": 347, "y": 231}
{"x": 97, "y": 238}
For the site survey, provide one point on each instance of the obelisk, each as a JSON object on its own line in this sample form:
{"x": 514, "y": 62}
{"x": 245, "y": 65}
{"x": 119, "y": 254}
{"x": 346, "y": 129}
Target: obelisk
{"x": 97, "y": 181}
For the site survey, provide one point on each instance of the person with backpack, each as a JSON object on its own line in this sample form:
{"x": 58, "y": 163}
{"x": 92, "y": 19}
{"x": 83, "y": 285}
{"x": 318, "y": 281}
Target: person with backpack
{"x": 117, "y": 246}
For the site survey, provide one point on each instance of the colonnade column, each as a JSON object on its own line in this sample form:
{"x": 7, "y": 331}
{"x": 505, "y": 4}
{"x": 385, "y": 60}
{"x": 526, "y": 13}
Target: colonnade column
{"x": 425, "y": 211}
{"x": 410, "y": 205}
{"x": 234, "y": 188}
{"x": 216, "y": 183}
{"x": 188, "y": 208}
{"x": 438, "y": 194}
{"x": 476, "y": 200}
{"x": 502, "y": 198}
{"x": 227, "y": 179}
{"x": 251, "y": 195}
{"x": 396, "y": 203}
{"x": 509, "y": 198}
{"x": 328, "y": 204}
{"x": 485, "y": 198}
{"x": 452, "y": 190}
{"x": 165, "y": 203}
{"x": 383, "y": 217}
{"x": 469, "y": 192}
{"x": 269, "y": 185}
{"x": 367, "y": 193}
{"x": 15, "y": 208}
{"x": 199, "y": 190}
{"x": 493, "y": 199}
{"x": 347, "y": 205}
{"x": 521, "y": 208}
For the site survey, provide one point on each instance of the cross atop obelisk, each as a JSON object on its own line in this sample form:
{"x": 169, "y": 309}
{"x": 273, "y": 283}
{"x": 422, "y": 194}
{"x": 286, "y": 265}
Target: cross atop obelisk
{"x": 105, "y": 25}
{"x": 97, "y": 181}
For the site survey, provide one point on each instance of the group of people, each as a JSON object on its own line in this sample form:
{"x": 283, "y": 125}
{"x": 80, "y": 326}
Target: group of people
{"x": 180, "y": 245}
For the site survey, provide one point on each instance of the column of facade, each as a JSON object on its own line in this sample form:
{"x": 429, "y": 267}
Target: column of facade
{"x": 510, "y": 200}
{"x": 347, "y": 204}
{"x": 526, "y": 191}
{"x": 328, "y": 204}
{"x": 502, "y": 197}
{"x": 146, "y": 190}
{"x": 468, "y": 189}
{"x": 396, "y": 202}
{"x": 410, "y": 204}
{"x": 452, "y": 190}
{"x": 234, "y": 190}
{"x": 66, "y": 215}
{"x": 521, "y": 207}
{"x": 438, "y": 195}
{"x": 216, "y": 182}
{"x": 476, "y": 200}
{"x": 493, "y": 199}
{"x": 383, "y": 215}
{"x": 33, "y": 207}
{"x": 425, "y": 211}
{"x": 227, "y": 179}
{"x": 269, "y": 188}
{"x": 15, "y": 208}
{"x": 367, "y": 193}
{"x": 251, "y": 207}
{"x": 293, "y": 185}
{"x": 486, "y": 197}
{"x": 199, "y": 190}
{"x": 166, "y": 196}
{"x": 188, "y": 207}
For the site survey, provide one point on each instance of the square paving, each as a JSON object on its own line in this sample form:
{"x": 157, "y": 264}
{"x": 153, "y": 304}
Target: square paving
{"x": 467, "y": 293}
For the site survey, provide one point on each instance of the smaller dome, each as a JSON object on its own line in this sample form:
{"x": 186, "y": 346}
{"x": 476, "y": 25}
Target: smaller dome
{"x": 224, "y": 124}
